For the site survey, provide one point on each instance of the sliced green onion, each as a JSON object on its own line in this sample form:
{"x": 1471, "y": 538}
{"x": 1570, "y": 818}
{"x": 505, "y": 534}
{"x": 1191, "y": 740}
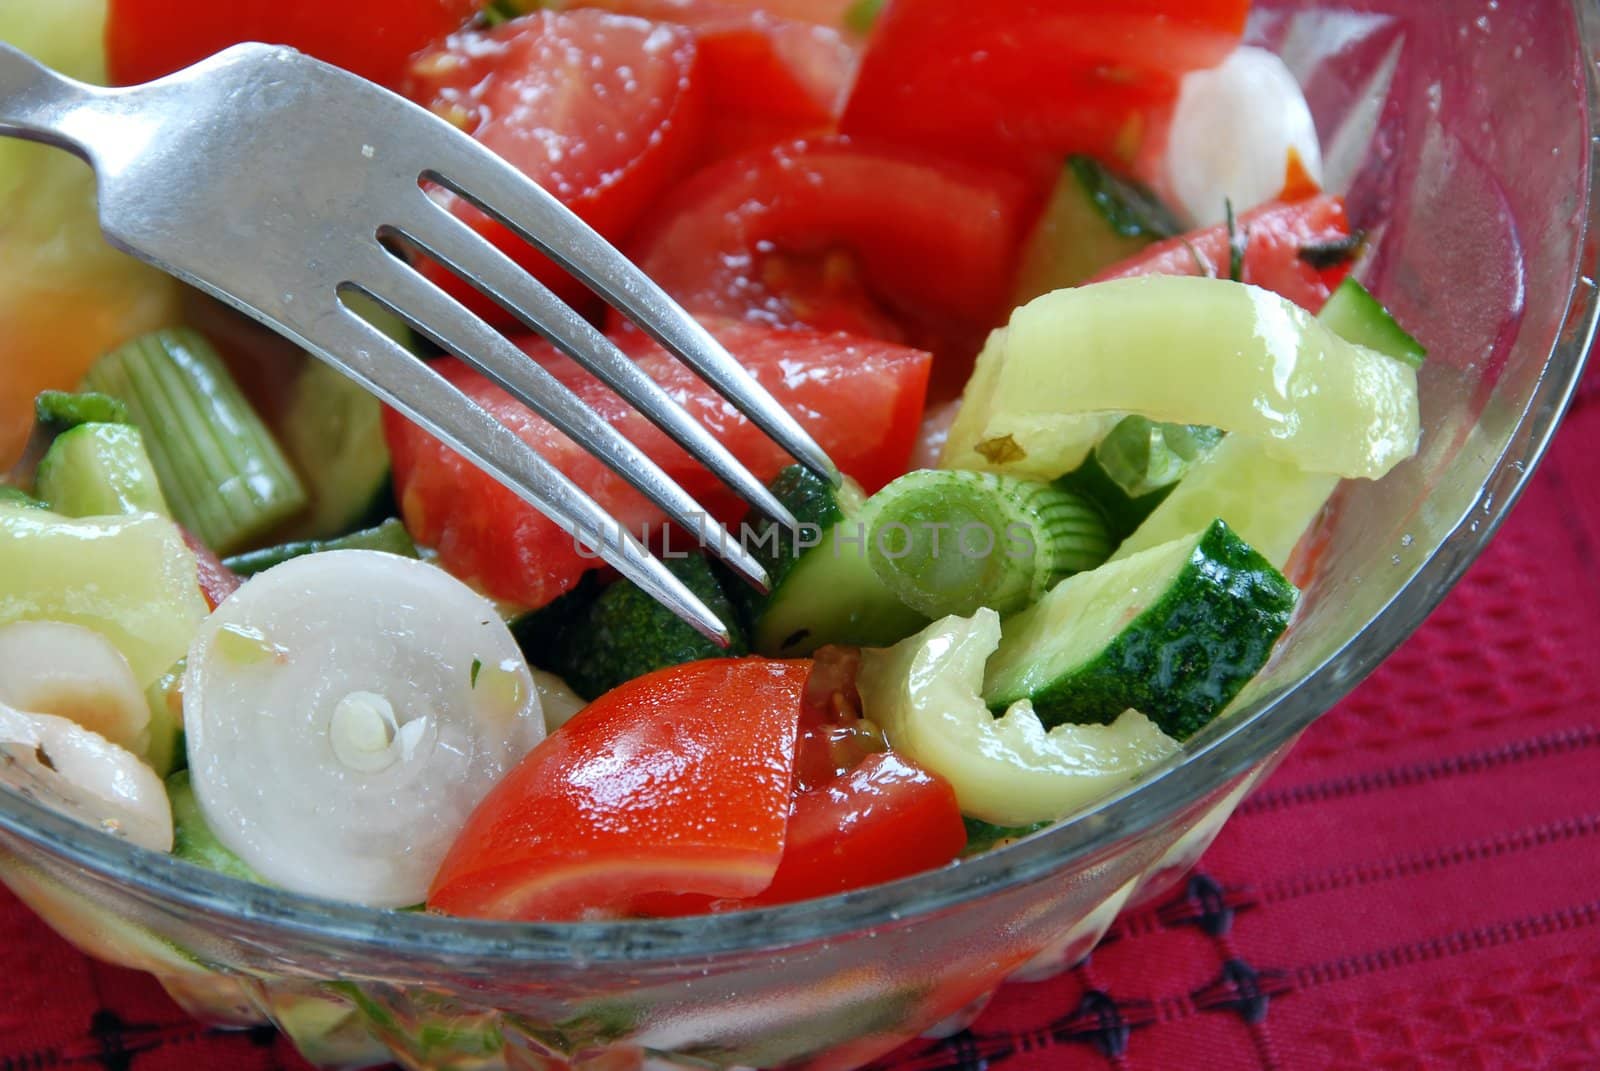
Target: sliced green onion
{"x": 390, "y": 536}
{"x": 224, "y": 476}
{"x": 952, "y": 542}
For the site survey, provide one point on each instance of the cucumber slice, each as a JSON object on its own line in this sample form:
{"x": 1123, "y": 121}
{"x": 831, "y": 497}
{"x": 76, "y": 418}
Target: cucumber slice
{"x": 163, "y": 746}
{"x": 96, "y": 470}
{"x": 1009, "y": 771}
{"x": 951, "y": 542}
{"x": 624, "y": 633}
{"x": 132, "y": 579}
{"x": 1174, "y": 631}
{"x": 823, "y": 587}
{"x": 1356, "y": 316}
{"x": 16, "y": 497}
{"x": 1094, "y": 219}
{"x": 192, "y": 839}
{"x": 1268, "y": 502}
{"x": 1182, "y": 350}
{"x": 1132, "y": 470}
{"x": 390, "y": 537}
{"x": 333, "y": 432}
{"x": 56, "y": 411}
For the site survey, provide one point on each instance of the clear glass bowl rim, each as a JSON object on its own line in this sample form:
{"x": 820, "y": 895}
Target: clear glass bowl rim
{"x": 1202, "y": 770}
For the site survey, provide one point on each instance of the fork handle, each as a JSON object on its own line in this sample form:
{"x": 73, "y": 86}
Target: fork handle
{"x": 38, "y": 104}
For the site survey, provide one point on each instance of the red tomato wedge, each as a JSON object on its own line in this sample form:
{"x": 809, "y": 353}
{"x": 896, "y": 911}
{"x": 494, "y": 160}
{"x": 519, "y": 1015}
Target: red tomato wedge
{"x": 146, "y": 39}
{"x": 839, "y": 235}
{"x": 770, "y": 76}
{"x": 885, "y": 819}
{"x": 859, "y": 398}
{"x": 1274, "y": 236}
{"x": 1025, "y": 82}
{"x": 602, "y": 110}
{"x": 677, "y": 782}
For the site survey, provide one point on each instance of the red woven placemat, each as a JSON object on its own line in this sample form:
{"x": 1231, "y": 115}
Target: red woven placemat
{"x": 1417, "y": 887}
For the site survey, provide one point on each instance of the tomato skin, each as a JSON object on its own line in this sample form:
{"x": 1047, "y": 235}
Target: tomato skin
{"x": 770, "y": 75}
{"x": 1028, "y": 81}
{"x": 604, "y": 111}
{"x": 146, "y": 39}
{"x": 678, "y": 781}
{"x": 216, "y": 580}
{"x": 720, "y": 235}
{"x": 1275, "y": 234}
{"x": 885, "y": 819}
{"x": 861, "y": 399}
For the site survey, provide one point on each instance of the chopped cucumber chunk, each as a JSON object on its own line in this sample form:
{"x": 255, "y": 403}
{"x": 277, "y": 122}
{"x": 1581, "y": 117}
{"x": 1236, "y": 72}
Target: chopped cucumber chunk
{"x": 390, "y": 536}
{"x": 1267, "y": 501}
{"x": 1181, "y": 350}
{"x": 1095, "y": 218}
{"x": 951, "y": 542}
{"x": 624, "y": 633}
{"x": 823, "y": 587}
{"x": 1356, "y": 316}
{"x": 333, "y": 431}
{"x": 131, "y": 578}
{"x": 1174, "y": 631}
{"x": 221, "y": 471}
{"x": 56, "y": 411}
{"x": 96, "y": 470}
{"x": 1133, "y": 469}
{"x": 1010, "y": 770}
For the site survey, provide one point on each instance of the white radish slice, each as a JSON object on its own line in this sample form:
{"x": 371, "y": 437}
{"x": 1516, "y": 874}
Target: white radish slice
{"x": 50, "y": 667}
{"x": 556, "y": 697}
{"x": 1231, "y": 134}
{"x": 345, "y": 713}
{"x": 83, "y": 775}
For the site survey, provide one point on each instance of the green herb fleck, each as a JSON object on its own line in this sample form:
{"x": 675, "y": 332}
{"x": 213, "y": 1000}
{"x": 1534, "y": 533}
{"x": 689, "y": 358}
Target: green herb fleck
{"x": 1237, "y": 241}
{"x": 477, "y": 667}
{"x": 862, "y": 14}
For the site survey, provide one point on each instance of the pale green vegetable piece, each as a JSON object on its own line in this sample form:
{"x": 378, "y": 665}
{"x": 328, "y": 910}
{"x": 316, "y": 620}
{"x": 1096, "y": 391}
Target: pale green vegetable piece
{"x": 1268, "y": 502}
{"x": 1187, "y": 351}
{"x": 132, "y": 579}
{"x": 924, "y": 692}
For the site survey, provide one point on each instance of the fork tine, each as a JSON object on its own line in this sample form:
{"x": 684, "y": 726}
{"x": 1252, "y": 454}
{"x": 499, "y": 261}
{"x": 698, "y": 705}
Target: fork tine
{"x": 445, "y": 321}
{"x": 506, "y": 195}
{"x": 474, "y": 258}
{"x": 387, "y": 370}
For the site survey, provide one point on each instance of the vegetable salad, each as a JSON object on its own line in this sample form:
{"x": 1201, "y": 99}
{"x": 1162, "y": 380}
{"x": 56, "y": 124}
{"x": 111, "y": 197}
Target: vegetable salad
{"x": 1073, "y": 258}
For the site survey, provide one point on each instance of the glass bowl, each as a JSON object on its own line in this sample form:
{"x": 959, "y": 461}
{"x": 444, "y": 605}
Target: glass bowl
{"x": 1462, "y": 135}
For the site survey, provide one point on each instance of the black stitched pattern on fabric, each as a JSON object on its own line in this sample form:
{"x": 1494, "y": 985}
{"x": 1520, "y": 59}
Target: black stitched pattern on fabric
{"x": 1243, "y": 989}
{"x": 1207, "y": 904}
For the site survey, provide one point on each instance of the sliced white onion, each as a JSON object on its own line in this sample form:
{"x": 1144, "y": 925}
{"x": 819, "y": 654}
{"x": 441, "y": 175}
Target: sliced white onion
{"x": 556, "y": 697}
{"x": 50, "y": 667}
{"x": 83, "y": 775}
{"x": 345, "y": 712}
{"x": 1231, "y": 134}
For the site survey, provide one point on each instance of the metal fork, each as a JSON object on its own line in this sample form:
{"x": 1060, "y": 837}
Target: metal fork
{"x": 275, "y": 182}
